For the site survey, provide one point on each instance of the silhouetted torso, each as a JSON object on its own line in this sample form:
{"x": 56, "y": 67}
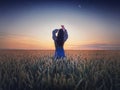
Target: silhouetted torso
{"x": 59, "y": 50}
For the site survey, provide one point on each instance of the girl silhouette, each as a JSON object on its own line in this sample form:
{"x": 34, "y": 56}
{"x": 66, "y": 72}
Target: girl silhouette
{"x": 59, "y": 41}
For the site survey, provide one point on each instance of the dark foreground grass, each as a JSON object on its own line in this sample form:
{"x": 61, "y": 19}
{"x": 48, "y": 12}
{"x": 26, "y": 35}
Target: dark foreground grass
{"x": 81, "y": 70}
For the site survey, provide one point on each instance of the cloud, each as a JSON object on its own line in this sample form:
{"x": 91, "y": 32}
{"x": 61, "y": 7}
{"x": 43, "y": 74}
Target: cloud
{"x": 97, "y": 46}
{"x": 9, "y": 36}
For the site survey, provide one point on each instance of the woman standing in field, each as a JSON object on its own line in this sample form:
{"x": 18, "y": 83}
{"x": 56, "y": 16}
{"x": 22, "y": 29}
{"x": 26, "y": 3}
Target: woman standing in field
{"x": 59, "y": 41}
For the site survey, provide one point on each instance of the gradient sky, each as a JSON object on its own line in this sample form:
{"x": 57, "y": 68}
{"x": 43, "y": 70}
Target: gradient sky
{"x": 91, "y": 24}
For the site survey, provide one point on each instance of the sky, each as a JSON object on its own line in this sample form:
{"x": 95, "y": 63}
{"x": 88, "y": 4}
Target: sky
{"x": 91, "y": 24}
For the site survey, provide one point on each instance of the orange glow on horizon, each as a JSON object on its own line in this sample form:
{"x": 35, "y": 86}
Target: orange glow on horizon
{"x": 35, "y": 43}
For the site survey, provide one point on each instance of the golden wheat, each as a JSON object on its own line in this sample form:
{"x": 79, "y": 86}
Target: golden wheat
{"x": 81, "y": 70}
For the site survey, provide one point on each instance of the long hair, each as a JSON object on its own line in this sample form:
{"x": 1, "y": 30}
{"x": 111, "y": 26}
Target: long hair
{"x": 60, "y": 38}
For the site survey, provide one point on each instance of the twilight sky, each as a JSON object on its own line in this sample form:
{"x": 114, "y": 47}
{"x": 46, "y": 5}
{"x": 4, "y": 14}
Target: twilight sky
{"x": 91, "y": 24}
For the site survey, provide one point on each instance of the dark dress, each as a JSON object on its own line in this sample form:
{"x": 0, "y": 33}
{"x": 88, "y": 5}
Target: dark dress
{"x": 59, "y": 50}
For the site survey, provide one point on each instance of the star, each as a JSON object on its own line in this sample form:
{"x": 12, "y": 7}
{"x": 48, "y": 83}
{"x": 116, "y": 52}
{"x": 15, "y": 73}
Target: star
{"x": 79, "y": 6}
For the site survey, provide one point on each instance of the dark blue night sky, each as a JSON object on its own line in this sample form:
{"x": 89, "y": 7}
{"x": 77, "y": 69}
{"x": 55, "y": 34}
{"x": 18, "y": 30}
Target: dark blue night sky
{"x": 95, "y": 23}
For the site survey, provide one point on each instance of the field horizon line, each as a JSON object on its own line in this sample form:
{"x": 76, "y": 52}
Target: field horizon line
{"x": 65, "y": 49}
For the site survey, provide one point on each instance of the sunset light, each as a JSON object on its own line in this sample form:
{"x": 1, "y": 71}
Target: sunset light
{"x": 30, "y": 26}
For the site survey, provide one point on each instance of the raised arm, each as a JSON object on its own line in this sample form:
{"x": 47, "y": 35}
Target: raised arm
{"x": 54, "y": 34}
{"x": 65, "y": 35}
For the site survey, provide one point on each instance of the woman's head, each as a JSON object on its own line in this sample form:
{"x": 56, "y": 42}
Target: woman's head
{"x": 60, "y": 37}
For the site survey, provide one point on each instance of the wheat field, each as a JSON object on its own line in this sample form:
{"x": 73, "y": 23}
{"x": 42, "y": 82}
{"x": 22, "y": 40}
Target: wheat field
{"x": 80, "y": 70}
